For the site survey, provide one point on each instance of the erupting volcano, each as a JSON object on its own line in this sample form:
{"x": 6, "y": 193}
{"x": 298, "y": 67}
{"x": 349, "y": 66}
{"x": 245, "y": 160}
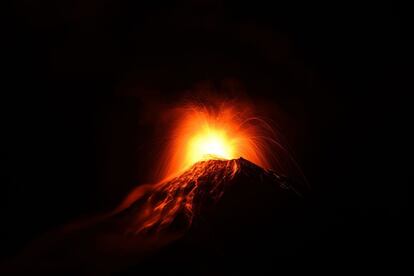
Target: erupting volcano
{"x": 210, "y": 148}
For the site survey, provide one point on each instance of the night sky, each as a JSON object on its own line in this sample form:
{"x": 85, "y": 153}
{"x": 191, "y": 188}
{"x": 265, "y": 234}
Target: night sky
{"x": 86, "y": 83}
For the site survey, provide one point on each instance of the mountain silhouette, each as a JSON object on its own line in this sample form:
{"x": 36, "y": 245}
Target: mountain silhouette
{"x": 220, "y": 212}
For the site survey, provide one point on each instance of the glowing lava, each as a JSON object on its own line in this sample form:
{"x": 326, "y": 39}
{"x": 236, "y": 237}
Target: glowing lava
{"x": 224, "y": 130}
{"x": 209, "y": 144}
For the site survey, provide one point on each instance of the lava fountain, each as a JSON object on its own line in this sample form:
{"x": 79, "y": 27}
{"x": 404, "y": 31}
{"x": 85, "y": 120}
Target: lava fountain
{"x": 223, "y": 130}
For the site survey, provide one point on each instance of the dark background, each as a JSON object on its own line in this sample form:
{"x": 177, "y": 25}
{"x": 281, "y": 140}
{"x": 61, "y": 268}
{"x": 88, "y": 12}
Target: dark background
{"x": 84, "y": 80}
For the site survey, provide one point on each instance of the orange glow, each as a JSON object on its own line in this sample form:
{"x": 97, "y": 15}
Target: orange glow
{"x": 208, "y": 144}
{"x": 187, "y": 176}
{"x": 223, "y": 130}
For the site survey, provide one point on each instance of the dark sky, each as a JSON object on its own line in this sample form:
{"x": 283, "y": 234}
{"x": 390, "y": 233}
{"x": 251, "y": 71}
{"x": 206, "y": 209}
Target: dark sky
{"x": 84, "y": 80}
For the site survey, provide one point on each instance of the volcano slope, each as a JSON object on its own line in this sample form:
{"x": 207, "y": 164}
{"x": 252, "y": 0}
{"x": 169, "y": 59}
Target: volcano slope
{"x": 218, "y": 212}
{"x": 233, "y": 213}
{"x": 206, "y": 190}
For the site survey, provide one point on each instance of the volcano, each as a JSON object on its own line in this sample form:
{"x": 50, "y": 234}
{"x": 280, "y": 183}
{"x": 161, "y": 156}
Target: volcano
{"x": 216, "y": 212}
{"x": 206, "y": 187}
{"x": 227, "y": 211}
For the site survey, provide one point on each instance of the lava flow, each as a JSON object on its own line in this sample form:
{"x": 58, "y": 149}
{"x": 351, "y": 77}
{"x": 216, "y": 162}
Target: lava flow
{"x": 207, "y": 149}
